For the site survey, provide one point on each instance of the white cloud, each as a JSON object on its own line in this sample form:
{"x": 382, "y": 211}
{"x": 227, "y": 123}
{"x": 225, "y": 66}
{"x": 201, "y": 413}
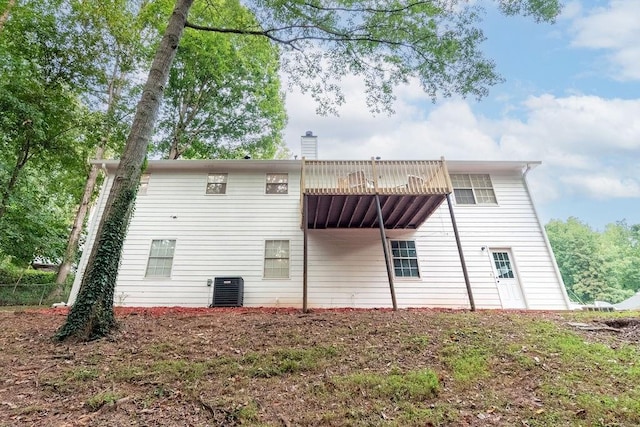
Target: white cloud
{"x": 602, "y": 186}
{"x": 589, "y": 146}
{"x": 614, "y": 29}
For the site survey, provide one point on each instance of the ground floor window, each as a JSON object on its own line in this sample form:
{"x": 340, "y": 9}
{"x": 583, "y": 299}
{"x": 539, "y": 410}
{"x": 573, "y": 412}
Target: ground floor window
{"x": 405, "y": 258}
{"x": 160, "y": 258}
{"x": 276, "y": 259}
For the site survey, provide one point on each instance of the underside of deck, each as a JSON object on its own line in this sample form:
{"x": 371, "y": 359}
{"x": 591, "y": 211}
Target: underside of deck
{"x": 359, "y": 211}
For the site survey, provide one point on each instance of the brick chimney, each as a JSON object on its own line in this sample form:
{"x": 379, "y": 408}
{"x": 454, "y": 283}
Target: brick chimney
{"x": 309, "y": 143}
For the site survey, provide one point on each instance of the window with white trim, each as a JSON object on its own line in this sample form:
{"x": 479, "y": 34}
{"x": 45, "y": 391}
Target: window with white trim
{"x": 144, "y": 184}
{"x": 160, "y": 258}
{"x": 405, "y": 258}
{"x": 216, "y": 183}
{"x": 277, "y": 183}
{"x": 473, "y": 189}
{"x": 276, "y": 259}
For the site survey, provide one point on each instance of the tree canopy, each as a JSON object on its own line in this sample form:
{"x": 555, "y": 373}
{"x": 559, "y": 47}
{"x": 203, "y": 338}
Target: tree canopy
{"x": 227, "y": 103}
{"x": 69, "y": 80}
{"x": 602, "y": 266}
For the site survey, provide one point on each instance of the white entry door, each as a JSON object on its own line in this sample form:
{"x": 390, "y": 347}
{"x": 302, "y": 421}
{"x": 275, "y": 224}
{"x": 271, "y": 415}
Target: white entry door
{"x": 506, "y": 279}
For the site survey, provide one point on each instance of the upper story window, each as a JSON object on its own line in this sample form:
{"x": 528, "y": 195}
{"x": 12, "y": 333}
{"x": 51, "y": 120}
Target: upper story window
{"x": 277, "y": 183}
{"x": 473, "y": 189}
{"x": 144, "y": 184}
{"x": 217, "y": 183}
{"x": 405, "y": 258}
{"x": 160, "y": 258}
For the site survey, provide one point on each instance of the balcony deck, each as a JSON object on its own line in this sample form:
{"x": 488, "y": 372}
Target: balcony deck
{"x": 342, "y": 194}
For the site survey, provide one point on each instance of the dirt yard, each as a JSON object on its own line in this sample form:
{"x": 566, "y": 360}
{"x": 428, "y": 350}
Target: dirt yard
{"x": 267, "y": 367}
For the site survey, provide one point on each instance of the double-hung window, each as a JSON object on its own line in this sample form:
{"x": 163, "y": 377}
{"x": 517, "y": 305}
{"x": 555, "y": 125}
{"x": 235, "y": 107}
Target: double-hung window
{"x": 277, "y": 183}
{"x": 473, "y": 189}
{"x": 160, "y": 258}
{"x": 405, "y": 258}
{"x": 276, "y": 259}
{"x": 217, "y": 183}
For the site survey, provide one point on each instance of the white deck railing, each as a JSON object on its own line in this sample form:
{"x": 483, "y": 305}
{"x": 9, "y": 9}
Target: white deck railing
{"x": 384, "y": 177}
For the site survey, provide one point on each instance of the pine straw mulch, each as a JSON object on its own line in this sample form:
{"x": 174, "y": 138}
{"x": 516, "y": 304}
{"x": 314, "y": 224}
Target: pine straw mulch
{"x": 280, "y": 367}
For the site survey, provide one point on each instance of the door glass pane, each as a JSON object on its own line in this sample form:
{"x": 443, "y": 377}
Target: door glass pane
{"x": 503, "y": 265}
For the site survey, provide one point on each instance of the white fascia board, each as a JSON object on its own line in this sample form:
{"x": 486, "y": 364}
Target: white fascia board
{"x": 454, "y": 166}
{"x": 482, "y": 166}
{"x": 211, "y": 165}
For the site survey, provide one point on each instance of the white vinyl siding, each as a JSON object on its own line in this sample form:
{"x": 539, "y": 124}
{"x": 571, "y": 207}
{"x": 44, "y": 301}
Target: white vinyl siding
{"x": 276, "y": 259}
{"x": 225, "y": 237}
{"x": 218, "y": 237}
{"x": 160, "y": 258}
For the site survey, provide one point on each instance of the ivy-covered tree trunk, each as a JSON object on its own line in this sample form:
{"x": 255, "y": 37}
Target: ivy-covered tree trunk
{"x": 92, "y": 314}
{"x": 76, "y": 228}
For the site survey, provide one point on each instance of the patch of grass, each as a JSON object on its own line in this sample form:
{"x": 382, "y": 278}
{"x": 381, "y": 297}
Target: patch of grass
{"x": 130, "y": 374}
{"x": 287, "y": 361}
{"x": 31, "y": 409}
{"x": 435, "y": 415}
{"x": 585, "y": 376}
{"x": 417, "y": 343}
{"x": 415, "y": 386}
{"x": 99, "y": 400}
{"x": 179, "y": 370}
{"x": 160, "y": 350}
{"x": 81, "y": 374}
{"x": 468, "y": 363}
{"x": 230, "y": 413}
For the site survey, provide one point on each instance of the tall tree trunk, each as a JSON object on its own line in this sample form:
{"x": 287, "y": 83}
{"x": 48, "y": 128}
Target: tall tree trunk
{"x": 113, "y": 93}
{"x": 92, "y": 314}
{"x": 6, "y": 13}
{"x": 76, "y": 228}
{"x": 21, "y": 161}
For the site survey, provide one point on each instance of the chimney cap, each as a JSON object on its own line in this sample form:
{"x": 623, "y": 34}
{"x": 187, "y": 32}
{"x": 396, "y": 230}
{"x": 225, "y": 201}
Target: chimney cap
{"x": 308, "y": 133}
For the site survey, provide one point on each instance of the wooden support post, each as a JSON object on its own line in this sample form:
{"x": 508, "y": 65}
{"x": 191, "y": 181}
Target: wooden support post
{"x": 385, "y": 248}
{"x": 305, "y": 212}
{"x": 464, "y": 264}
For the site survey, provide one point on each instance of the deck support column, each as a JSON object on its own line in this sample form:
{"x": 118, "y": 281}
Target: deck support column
{"x": 305, "y": 212}
{"x": 385, "y": 248}
{"x": 464, "y": 264}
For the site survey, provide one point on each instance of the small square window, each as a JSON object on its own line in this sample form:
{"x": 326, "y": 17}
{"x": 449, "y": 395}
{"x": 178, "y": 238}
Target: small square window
{"x": 144, "y": 184}
{"x": 160, "y": 258}
{"x": 277, "y": 183}
{"x": 276, "y": 259}
{"x": 217, "y": 183}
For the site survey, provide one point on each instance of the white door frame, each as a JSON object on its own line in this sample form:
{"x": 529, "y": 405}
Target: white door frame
{"x": 516, "y": 282}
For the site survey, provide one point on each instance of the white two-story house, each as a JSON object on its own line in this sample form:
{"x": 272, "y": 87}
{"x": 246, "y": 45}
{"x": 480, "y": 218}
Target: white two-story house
{"x": 316, "y": 233}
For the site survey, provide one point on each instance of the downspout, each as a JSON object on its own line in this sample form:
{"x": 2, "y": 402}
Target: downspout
{"x": 86, "y": 252}
{"x": 563, "y": 289}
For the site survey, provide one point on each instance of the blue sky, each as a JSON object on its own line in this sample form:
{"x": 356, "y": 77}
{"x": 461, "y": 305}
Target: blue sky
{"x": 571, "y": 99}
